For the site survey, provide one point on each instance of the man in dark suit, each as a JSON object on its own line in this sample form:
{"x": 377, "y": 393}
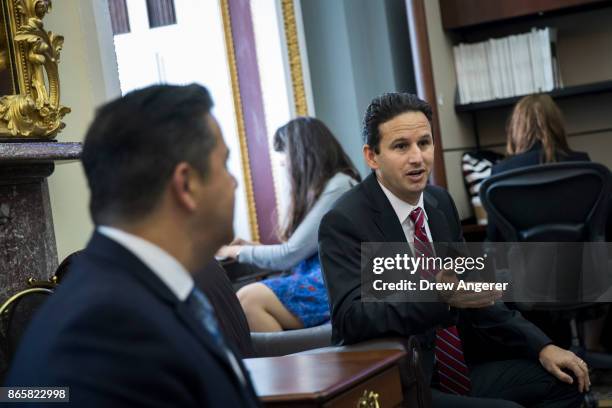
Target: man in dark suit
{"x": 127, "y": 327}
{"x": 492, "y": 358}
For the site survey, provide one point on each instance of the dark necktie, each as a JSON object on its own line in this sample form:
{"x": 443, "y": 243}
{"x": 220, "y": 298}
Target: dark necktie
{"x": 198, "y": 303}
{"x": 452, "y": 369}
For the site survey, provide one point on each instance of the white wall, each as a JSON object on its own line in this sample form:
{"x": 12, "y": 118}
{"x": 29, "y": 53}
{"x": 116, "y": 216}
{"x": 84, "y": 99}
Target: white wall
{"x": 332, "y": 73}
{"x": 88, "y": 75}
{"x": 357, "y": 50}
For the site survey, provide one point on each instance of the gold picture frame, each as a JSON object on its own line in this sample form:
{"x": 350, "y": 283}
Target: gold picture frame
{"x": 294, "y": 58}
{"x": 29, "y": 78}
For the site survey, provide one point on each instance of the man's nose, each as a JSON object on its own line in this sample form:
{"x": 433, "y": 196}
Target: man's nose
{"x": 415, "y": 155}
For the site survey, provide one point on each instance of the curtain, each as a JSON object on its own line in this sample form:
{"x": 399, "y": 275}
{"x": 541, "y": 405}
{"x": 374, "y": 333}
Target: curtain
{"x": 119, "y": 16}
{"x": 161, "y": 13}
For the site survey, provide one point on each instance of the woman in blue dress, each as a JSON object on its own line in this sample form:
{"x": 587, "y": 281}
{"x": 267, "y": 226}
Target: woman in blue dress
{"x": 319, "y": 172}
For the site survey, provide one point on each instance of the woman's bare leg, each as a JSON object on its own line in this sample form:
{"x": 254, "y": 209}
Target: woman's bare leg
{"x": 264, "y": 311}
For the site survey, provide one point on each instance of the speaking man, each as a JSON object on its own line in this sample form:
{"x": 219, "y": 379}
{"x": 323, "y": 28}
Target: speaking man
{"x": 477, "y": 353}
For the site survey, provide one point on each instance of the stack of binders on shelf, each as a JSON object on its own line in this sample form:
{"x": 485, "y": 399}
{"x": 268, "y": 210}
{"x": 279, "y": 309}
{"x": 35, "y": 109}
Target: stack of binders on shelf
{"x": 505, "y": 67}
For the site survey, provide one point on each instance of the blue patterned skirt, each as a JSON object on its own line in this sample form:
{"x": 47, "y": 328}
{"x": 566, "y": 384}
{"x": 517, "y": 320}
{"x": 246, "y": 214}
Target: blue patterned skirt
{"x": 303, "y": 292}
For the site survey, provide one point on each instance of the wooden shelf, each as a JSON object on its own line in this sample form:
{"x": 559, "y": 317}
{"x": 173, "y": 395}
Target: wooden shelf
{"x": 466, "y": 14}
{"x": 578, "y": 90}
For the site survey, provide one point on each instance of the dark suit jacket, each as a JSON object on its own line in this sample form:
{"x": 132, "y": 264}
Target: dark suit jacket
{"x": 364, "y": 214}
{"x": 118, "y": 337}
{"x": 532, "y": 157}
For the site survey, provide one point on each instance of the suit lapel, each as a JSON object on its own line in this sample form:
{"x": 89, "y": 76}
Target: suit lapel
{"x": 435, "y": 218}
{"x": 383, "y": 214}
{"x": 197, "y": 329}
{"x": 438, "y": 224}
{"x": 390, "y": 226}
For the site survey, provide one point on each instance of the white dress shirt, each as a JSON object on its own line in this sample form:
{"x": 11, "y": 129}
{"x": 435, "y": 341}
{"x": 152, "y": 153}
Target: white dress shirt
{"x": 403, "y": 210}
{"x": 164, "y": 265}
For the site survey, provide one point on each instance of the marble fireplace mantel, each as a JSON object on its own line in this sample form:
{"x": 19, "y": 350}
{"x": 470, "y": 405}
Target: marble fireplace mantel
{"x": 27, "y": 239}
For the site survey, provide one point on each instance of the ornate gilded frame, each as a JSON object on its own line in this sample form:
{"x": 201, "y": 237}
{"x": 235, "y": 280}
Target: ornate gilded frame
{"x": 294, "y": 58}
{"x": 29, "y": 78}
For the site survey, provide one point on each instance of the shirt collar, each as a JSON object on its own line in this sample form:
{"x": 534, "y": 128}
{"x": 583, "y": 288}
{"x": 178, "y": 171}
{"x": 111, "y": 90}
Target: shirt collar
{"x": 164, "y": 265}
{"x": 402, "y": 208}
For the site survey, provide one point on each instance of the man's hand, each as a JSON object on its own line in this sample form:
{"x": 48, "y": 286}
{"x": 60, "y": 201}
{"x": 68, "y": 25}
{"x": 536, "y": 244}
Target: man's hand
{"x": 554, "y": 359}
{"x": 464, "y": 299}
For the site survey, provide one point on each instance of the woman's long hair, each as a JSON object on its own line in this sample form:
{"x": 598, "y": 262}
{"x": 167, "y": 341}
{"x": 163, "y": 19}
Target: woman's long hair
{"x": 537, "y": 118}
{"x": 313, "y": 157}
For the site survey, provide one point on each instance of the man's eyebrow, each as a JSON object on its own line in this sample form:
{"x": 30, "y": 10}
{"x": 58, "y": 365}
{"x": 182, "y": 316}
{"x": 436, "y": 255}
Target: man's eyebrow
{"x": 407, "y": 139}
{"x": 400, "y": 139}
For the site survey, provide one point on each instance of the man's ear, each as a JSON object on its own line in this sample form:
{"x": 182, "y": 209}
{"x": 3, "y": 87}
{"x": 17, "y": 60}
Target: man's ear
{"x": 182, "y": 185}
{"x": 370, "y": 157}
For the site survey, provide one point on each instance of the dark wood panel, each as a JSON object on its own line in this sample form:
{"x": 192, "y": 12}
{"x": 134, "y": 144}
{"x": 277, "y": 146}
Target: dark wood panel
{"x": 464, "y": 13}
{"x": 423, "y": 74}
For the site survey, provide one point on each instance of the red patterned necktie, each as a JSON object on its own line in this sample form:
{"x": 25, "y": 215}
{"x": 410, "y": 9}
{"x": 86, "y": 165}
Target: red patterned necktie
{"x": 452, "y": 370}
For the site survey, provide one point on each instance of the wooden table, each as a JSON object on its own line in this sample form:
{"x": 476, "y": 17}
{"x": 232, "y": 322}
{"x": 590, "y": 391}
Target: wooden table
{"x": 358, "y": 379}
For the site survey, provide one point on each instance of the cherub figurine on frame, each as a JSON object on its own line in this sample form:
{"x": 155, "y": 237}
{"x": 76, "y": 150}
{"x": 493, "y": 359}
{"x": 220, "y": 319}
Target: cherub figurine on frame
{"x": 29, "y": 79}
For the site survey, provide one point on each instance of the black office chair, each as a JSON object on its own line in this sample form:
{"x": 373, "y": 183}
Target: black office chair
{"x": 559, "y": 203}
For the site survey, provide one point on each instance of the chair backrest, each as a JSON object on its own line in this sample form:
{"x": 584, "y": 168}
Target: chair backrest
{"x": 15, "y": 315}
{"x": 560, "y": 202}
{"x": 64, "y": 266}
{"x": 214, "y": 282}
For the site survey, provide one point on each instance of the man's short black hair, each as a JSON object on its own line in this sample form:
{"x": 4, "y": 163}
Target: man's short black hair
{"x": 387, "y": 106}
{"x": 135, "y": 142}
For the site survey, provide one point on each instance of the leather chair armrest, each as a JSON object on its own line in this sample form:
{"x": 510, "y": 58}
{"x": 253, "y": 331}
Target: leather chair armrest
{"x": 241, "y": 274}
{"x": 291, "y": 341}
